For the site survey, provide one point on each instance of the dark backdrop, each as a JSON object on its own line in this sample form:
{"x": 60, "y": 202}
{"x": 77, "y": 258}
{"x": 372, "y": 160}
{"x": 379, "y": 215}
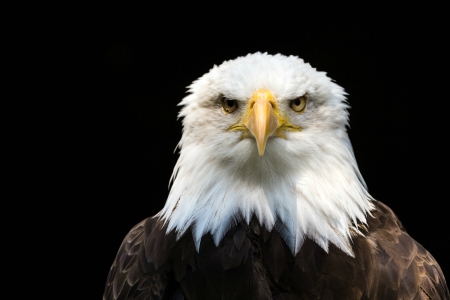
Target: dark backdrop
{"x": 140, "y": 61}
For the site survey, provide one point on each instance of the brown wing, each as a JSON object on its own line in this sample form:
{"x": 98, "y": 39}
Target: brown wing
{"x": 151, "y": 264}
{"x": 388, "y": 264}
{"x": 404, "y": 266}
{"x": 136, "y": 273}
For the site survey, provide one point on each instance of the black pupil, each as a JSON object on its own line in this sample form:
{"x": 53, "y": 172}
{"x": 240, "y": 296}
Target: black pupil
{"x": 297, "y": 102}
{"x": 230, "y": 103}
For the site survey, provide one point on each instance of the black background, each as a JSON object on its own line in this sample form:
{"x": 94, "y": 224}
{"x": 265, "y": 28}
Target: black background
{"x": 140, "y": 60}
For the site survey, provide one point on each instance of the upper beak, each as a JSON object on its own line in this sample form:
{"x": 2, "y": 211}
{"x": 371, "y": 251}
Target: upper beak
{"x": 262, "y": 121}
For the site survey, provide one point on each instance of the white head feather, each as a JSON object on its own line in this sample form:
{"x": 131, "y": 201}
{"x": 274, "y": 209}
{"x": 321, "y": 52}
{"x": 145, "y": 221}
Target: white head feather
{"x": 307, "y": 185}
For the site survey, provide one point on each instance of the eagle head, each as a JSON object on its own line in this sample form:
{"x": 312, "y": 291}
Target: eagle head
{"x": 265, "y": 136}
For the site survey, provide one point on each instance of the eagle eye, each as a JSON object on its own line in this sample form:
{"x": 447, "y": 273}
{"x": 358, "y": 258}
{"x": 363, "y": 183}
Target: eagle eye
{"x": 299, "y": 104}
{"x": 229, "y": 105}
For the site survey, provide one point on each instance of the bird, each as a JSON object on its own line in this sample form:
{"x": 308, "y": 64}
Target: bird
{"x": 266, "y": 200}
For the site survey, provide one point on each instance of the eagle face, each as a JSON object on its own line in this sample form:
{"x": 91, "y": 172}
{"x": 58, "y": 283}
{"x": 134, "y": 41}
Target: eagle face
{"x": 300, "y": 108}
{"x": 265, "y": 135}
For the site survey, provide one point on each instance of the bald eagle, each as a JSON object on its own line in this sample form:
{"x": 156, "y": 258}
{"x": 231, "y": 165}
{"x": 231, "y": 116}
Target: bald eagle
{"x": 267, "y": 201}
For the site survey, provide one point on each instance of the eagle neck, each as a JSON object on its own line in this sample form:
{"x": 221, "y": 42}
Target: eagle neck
{"x": 317, "y": 197}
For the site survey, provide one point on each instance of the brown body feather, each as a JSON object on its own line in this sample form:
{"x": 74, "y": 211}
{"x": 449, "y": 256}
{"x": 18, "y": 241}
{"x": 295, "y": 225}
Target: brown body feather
{"x": 252, "y": 263}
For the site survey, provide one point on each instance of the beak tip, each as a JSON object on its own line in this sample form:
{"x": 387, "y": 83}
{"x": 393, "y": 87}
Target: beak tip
{"x": 261, "y": 151}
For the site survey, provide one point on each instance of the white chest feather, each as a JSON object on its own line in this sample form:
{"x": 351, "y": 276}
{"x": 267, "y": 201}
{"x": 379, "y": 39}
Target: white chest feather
{"x": 315, "y": 196}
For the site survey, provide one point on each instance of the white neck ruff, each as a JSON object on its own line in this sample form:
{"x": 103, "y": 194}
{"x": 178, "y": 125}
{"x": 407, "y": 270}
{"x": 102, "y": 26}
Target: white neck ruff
{"x": 318, "y": 194}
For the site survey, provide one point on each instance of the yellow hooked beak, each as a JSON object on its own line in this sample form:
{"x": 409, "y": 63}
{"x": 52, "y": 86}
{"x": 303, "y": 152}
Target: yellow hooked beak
{"x": 263, "y": 119}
